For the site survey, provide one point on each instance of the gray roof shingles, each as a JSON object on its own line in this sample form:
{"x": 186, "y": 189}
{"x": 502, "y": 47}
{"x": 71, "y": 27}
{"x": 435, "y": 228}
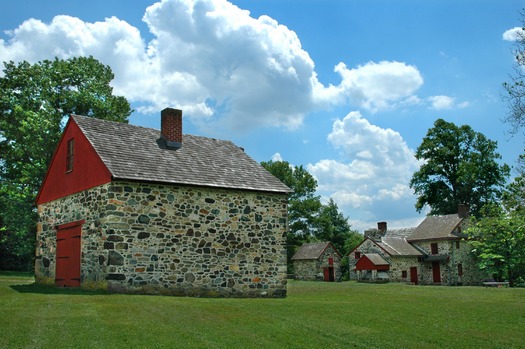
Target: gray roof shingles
{"x": 436, "y": 228}
{"x": 310, "y": 250}
{"x": 137, "y": 153}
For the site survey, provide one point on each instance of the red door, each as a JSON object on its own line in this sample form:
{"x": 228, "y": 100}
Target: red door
{"x": 436, "y": 272}
{"x": 413, "y": 275}
{"x": 326, "y": 274}
{"x": 67, "y": 272}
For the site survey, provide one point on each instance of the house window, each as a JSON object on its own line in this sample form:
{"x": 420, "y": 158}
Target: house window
{"x": 357, "y": 255}
{"x": 404, "y": 274}
{"x": 434, "y": 248}
{"x": 457, "y": 245}
{"x": 70, "y": 154}
{"x": 460, "y": 269}
{"x": 330, "y": 261}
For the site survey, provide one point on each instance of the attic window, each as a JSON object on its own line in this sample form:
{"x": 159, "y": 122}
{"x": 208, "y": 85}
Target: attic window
{"x": 70, "y": 155}
{"x": 434, "y": 248}
{"x": 357, "y": 255}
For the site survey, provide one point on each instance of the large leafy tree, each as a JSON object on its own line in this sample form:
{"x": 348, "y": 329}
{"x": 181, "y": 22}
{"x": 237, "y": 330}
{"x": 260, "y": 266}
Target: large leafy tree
{"x": 331, "y": 225}
{"x": 35, "y": 100}
{"x": 303, "y": 204}
{"x": 460, "y": 166}
{"x": 498, "y": 237}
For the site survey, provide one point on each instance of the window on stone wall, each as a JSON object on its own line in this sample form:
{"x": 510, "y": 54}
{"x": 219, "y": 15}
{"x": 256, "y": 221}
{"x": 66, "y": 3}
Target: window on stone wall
{"x": 357, "y": 255}
{"x": 457, "y": 244}
{"x": 404, "y": 274}
{"x": 434, "y": 248}
{"x": 460, "y": 269}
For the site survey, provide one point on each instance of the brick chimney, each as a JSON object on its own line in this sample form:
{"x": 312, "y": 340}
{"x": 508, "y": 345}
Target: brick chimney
{"x": 381, "y": 226}
{"x": 463, "y": 210}
{"x": 171, "y": 127}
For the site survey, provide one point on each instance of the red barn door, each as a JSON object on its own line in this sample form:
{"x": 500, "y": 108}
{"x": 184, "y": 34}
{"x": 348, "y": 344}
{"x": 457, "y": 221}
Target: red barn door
{"x": 436, "y": 272}
{"x": 67, "y": 272}
{"x": 413, "y": 275}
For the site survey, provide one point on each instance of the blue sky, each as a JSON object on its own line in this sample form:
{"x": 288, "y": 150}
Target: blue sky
{"x": 346, "y": 88}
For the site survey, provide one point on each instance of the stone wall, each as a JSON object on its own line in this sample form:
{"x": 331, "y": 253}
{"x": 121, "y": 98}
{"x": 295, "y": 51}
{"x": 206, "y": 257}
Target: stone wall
{"x": 458, "y": 252}
{"x": 174, "y": 240}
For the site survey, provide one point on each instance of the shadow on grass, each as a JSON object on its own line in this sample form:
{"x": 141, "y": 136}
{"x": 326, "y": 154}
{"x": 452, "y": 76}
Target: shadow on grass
{"x": 50, "y": 289}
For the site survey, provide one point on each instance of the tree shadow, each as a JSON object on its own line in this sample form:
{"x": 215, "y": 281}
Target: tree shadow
{"x": 51, "y": 289}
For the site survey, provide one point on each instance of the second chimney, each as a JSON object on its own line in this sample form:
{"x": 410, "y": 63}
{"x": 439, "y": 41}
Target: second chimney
{"x": 381, "y": 226}
{"x": 171, "y": 127}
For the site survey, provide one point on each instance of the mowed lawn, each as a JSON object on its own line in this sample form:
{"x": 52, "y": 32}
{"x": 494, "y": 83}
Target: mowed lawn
{"x": 314, "y": 315}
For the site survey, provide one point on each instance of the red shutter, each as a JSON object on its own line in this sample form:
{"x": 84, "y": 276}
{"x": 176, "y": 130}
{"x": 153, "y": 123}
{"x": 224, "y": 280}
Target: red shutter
{"x": 67, "y": 273}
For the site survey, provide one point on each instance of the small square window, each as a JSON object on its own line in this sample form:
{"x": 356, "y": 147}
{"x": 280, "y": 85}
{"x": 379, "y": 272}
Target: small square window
{"x": 70, "y": 155}
{"x": 357, "y": 255}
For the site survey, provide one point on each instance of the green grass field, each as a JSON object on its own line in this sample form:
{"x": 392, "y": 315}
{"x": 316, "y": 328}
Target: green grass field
{"x": 314, "y": 315}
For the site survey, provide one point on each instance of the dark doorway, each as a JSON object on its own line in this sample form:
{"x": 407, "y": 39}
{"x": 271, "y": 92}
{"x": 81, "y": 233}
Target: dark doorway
{"x": 413, "y": 275}
{"x": 436, "y": 272}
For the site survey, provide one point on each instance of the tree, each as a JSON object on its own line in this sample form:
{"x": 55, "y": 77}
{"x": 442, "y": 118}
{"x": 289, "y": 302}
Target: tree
{"x": 514, "y": 93}
{"x": 35, "y": 100}
{"x": 498, "y": 239}
{"x": 331, "y": 225}
{"x": 303, "y": 204}
{"x": 459, "y": 167}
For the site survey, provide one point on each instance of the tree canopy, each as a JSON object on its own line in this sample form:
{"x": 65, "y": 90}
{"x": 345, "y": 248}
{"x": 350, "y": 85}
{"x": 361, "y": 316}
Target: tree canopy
{"x": 35, "y": 100}
{"x": 460, "y": 166}
{"x": 308, "y": 219}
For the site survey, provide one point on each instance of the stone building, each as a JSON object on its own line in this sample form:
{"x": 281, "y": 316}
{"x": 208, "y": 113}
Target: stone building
{"x": 133, "y": 209}
{"x": 435, "y": 252}
{"x": 317, "y": 261}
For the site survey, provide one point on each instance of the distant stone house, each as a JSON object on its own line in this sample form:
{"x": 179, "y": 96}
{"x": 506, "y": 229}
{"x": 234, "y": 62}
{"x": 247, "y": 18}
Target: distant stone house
{"x": 435, "y": 252}
{"x": 317, "y": 261}
{"x": 137, "y": 210}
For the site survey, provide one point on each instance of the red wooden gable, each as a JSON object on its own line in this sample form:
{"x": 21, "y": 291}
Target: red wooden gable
{"x": 364, "y": 263}
{"x": 87, "y": 171}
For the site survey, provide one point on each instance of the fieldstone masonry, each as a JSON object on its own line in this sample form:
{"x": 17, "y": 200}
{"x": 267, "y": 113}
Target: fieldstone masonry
{"x": 176, "y": 240}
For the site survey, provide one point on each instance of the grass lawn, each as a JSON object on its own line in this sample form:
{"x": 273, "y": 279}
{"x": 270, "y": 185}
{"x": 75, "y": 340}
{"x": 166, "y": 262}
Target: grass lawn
{"x": 314, "y": 315}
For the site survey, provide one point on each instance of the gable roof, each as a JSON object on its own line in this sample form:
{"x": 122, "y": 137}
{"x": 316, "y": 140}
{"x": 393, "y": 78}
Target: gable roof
{"x": 396, "y": 246}
{"x": 375, "y": 258}
{"x": 312, "y": 250}
{"x": 437, "y": 228}
{"x": 138, "y": 154}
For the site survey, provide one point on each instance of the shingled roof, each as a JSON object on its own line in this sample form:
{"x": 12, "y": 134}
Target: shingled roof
{"x": 312, "y": 250}
{"x": 139, "y": 154}
{"x": 437, "y": 228}
{"x": 396, "y": 246}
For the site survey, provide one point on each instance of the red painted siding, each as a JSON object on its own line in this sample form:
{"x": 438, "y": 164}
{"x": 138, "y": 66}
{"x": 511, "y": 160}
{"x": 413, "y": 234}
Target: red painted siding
{"x": 88, "y": 170}
{"x": 366, "y": 264}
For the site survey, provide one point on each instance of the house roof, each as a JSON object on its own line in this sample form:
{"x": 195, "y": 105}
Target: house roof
{"x": 375, "y": 258}
{"x": 312, "y": 250}
{"x": 397, "y": 246}
{"x": 139, "y": 154}
{"x": 437, "y": 228}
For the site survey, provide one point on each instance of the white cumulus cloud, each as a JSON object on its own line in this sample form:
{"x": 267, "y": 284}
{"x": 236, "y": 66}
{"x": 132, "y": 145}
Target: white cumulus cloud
{"x": 514, "y": 34}
{"x": 374, "y": 170}
{"x": 211, "y": 58}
